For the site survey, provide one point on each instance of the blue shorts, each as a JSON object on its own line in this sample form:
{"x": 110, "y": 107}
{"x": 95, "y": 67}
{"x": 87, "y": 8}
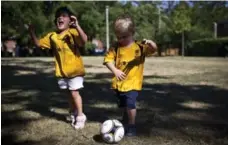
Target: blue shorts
{"x": 127, "y": 99}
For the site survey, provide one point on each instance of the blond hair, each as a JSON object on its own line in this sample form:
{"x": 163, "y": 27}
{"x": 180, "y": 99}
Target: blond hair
{"x": 124, "y": 24}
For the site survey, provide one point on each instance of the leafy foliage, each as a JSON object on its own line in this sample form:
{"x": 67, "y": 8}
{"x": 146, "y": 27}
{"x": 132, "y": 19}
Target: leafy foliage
{"x": 181, "y": 18}
{"x": 209, "y": 47}
{"x": 156, "y": 20}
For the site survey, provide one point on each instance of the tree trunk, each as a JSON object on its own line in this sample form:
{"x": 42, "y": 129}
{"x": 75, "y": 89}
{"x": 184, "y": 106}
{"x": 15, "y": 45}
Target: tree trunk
{"x": 182, "y": 44}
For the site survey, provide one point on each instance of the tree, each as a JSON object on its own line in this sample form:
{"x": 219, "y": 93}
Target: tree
{"x": 194, "y": 20}
{"x": 16, "y": 14}
{"x": 181, "y": 20}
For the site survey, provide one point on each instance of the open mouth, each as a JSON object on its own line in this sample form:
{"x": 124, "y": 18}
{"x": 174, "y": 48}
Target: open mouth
{"x": 60, "y": 23}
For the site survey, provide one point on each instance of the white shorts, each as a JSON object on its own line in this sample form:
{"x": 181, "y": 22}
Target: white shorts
{"x": 71, "y": 83}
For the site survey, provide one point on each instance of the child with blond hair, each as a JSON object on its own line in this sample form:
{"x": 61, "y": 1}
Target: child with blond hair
{"x": 125, "y": 59}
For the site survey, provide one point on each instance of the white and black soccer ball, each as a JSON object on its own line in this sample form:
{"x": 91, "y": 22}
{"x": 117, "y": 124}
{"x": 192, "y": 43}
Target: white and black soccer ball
{"x": 112, "y": 131}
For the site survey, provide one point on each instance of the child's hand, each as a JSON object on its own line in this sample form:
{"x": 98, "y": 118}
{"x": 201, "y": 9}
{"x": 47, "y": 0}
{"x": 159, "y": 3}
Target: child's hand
{"x": 74, "y": 21}
{"x": 119, "y": 75}
{"x": 152, "y": 45}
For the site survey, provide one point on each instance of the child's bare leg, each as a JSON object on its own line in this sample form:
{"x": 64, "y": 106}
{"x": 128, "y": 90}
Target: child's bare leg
{"x": 81, "y": 118}
{"x": 130, "y": 128}
{"x": 76, "y": 101}
{"x": 131, "y": 111}
{"x": 131, "y": 116}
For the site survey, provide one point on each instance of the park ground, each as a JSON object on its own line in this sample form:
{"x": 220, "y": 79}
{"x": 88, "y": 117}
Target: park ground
{"x": 184, "y": 101}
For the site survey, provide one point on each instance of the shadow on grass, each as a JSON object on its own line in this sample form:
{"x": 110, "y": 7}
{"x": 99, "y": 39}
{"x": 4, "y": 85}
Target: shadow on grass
{"x": 167, "y": 110}
{"x": 9, "y": 139}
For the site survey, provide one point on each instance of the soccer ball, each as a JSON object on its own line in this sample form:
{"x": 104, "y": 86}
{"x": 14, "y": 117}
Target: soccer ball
{"x": 112, "y": 131}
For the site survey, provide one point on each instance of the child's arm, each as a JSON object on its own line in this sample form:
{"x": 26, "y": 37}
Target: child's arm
{"x": 118, "y": 73}
{"x": 33, "y": 35}
{"x": 76, "y": 25}
{"x": 43, "y": 43}
{"x": 109, "y": 62}
{"x": 152, "y": 45}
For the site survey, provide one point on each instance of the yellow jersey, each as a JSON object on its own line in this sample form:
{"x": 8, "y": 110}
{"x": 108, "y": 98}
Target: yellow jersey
{"x": 68, "y": 61}
{"x": 130, "y": 60}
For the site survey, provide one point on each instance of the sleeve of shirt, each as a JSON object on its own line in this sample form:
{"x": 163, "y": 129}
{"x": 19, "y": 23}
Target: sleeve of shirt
{"x": 76, "y": 36}
{"x": 45, "y": 41}
{"x": 110, "y": 56}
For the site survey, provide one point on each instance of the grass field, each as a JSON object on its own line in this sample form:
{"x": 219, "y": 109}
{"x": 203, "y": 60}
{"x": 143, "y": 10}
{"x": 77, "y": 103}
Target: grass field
{"x": 184, "y": 102}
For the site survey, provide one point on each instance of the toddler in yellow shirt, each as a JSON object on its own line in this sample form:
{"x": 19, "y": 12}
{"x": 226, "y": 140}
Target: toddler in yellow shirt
{"x": 126, "y": 60}
{"x": 69, "y": 68}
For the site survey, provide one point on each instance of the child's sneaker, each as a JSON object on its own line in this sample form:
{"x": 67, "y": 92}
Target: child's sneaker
{"x": 130, "y": 130}
{"x": 80, "y": 122}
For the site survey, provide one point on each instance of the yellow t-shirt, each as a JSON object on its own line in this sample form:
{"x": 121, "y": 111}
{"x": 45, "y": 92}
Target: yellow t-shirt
{"x": 131, "y": 62}
{"x": 68, "y": 61}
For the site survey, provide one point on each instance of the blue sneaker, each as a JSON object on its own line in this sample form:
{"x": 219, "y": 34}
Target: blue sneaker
{"x": 130, "y": 130}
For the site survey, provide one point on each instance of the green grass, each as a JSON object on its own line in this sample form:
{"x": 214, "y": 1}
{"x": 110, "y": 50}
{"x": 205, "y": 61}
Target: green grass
{"x": 184, "y": 102}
